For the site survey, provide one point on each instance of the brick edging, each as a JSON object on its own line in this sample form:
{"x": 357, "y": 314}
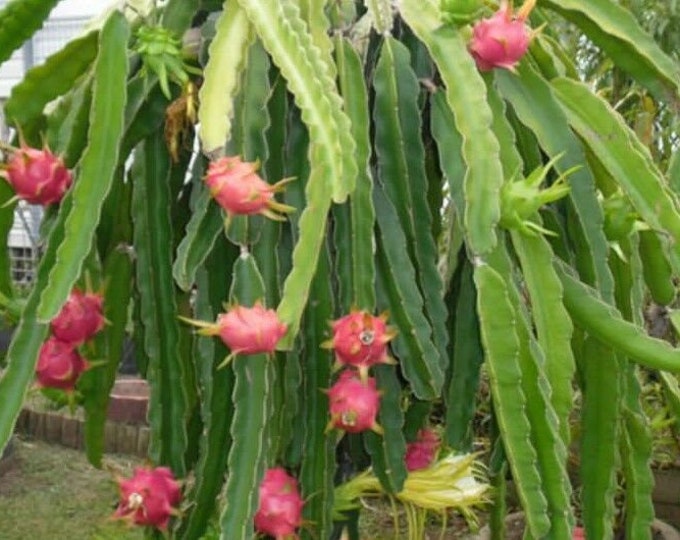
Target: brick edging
{"x": 68, "y": 431}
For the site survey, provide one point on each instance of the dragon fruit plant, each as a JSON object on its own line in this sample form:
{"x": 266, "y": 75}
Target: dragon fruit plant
{"x": 366, "y": 207}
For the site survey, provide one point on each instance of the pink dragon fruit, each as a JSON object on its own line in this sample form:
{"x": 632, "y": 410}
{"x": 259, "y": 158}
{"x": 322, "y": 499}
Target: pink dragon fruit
{"x": 59, "y": 365}
{"x": 80, "y": 318}
{"x": 246, "y": 330}
{"x": 503, "y": 39}
{"x": 150, "y": 497}
{"x": 240, "y": 191}
{"x": 37, "y": 176}
{"x": 354, "y": 404}
{"x": 422, "y": 452}
{"x": 280, "y": 511}
{"x": 360, "y": 340}
{"x": 579, "y": 533}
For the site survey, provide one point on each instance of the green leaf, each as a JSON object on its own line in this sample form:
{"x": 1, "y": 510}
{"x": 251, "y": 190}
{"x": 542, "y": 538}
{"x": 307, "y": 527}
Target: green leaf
{"x": 614, "y": 29}
{"x": 605, "y": 323}
{"x": 215, "y": 386}
{"x": 418, "y": 356}
{"x": 68, "y": 125}
{"x": 221, "y": 76}
{"x": 498, "y": 323}
{"x": 117, "y": 279}
{"x": 97, "y": 166}
{"x": 202, "y": 230}
{"x": 19, "y": 20}
{"x": 553, "y": 324}
{"x": 46, "y": 82}
{"x": 401, "y": 165}
{"x": 466, "y": 362}
{"x": 362, "y": 213}
{"x": 549, "y": 124}
{"x": 380, "y": 13}
{"x": 387, "y": 450}
{"x": 28, "y": 337}
{"x": 286, "y": 38}
{"x": 317, "y": 469}
{"x": 6, "y": 224}
{"x": 600, "y": 426}
{"x": 250, "y": 398}
{"x": 473, "y": 118}
{"x": 624, "y": 157}
{"x": 153, "y": 240}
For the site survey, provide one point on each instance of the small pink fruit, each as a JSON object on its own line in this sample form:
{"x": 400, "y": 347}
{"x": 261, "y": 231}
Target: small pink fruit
{"x": 354, "y": 404}
{"x": 240, "y": 191}
{"x": 422, "y": 452}
{"x": 360, "y": 340}
{"x": 150, "y": 497}
{"x": 503, "y": 39}
{"x": 280, "y": 509}
{"x": 37, "y": 176}
{"x": 59, "y": 365}
{"x": 80, "y": 318}
{"x": 579, "y": 533}
{"x": 246, "y": 330}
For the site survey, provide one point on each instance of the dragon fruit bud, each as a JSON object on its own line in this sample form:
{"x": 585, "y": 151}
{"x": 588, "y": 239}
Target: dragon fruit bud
{"x": 422, "y": 452}
{"x": 354, "y": 404}
{"x": 247, "y": 330}
{"x": 503, "y": 39}
{"x": 59, "y": 365}
{"x": 37, "y": 176}
{"x": 80, "y": 318}
{"x": 240, "y": 191}
{"x": 280, "y": 509}
{"x": 360, "y": 340}
{"x": 150, "y": 497}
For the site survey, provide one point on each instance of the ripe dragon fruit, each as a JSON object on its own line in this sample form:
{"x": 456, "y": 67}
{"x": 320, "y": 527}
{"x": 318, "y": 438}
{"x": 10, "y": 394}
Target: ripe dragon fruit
{"x": 150, "y": 497}
{"x": 422, "y": 452}
{"x": 503, "y": 39}
{"x": 240, "y": 191}
{"x": 80, "y": 318}
{"x": 360, "y": 340}
{"x": 37, "y": 176}
{"x": 354, "y": 404}
{"x": 579, "y": 533}
{"x": 59, "y": 365}
{"x": 246, "y": 330}
{"x": 280, "y": 511}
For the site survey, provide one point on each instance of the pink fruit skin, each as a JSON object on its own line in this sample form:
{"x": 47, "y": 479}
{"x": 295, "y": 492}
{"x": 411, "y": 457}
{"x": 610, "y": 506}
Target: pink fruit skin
{"x": 360, "y": 339}
{"x": 354, "y": 404}
{"x": 579, "y": 533}
{"x": 280, "y": 511}
{"x": 80, "y": 318}
{"x": 422, "y": 452}
{"x": 150, "y": 497}
{"x": 59, "y": 365}
{"x": 499, "y": 41}
{"x": 250, "y": 330}
{"x": 237, "y": 187}
{"x": 37, "y": 176}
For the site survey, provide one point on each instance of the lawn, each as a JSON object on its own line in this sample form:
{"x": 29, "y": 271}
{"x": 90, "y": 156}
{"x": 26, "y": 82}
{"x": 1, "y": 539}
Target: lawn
{"x": 52, "y": 493}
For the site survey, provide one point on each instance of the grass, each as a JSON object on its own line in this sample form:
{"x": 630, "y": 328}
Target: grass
{"x": 52, "y": 493}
